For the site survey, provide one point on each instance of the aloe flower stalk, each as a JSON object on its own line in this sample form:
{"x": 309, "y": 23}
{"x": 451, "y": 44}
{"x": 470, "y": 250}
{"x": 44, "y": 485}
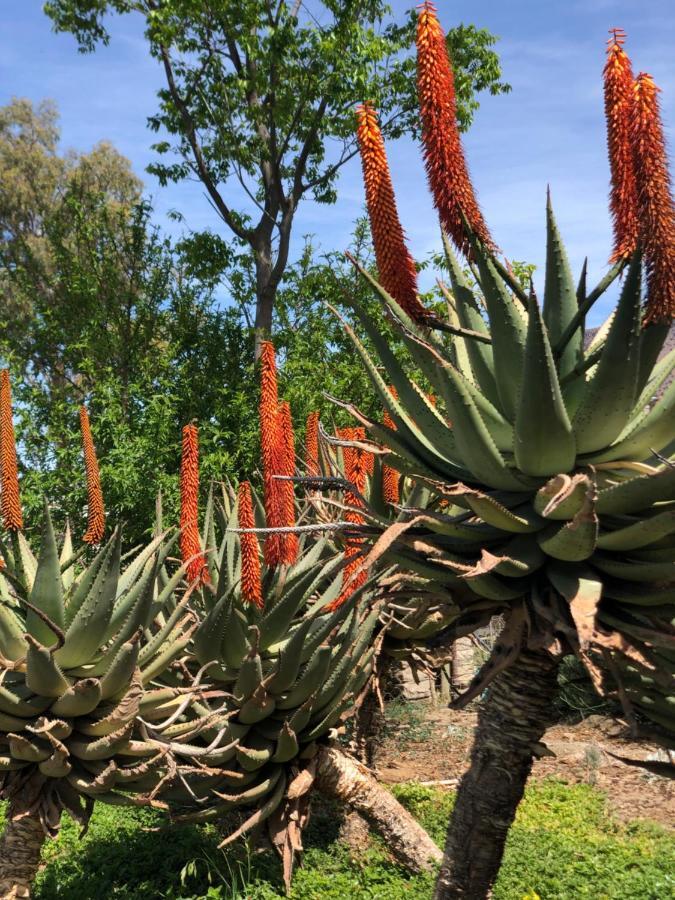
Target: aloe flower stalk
{"x": 619, "y": 93}
{"x": 289, "y": 541}
{"x": 10, "y": 500}
{"x": 190, "y": 544}
{"x": 390, "y": 476}
{"x": 655, "y": 201}
{"x": 355, "y": 471}
{"x": 444, "y": 159}
{"x": 270, "y": 447}
{"x": 312, "y": 444}
{"x": 251, "y": 586}
{"x": 95, "y": 508}
{"x": 395, "y": 265}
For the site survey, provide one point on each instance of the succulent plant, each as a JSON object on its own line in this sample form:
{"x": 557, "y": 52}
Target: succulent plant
{"x": 559, "y": 499}
{"x": 550, "y": 456}
{"x": 284, "y": 671}
{"x": 81, "y": 648}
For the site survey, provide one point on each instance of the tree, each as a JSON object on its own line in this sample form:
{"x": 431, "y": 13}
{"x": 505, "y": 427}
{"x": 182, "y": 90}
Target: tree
{"x": 104, "y": 310}
{"x": 258, "y": 92}
{"x": 37, "y": 180}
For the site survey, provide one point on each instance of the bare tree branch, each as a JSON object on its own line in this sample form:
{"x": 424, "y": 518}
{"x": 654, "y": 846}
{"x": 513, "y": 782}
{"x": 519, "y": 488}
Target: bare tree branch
{"x": 202, "y": 168}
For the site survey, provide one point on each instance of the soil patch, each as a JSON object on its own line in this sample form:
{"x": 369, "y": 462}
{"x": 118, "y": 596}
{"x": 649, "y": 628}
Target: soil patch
{"x": 432, "y": 744}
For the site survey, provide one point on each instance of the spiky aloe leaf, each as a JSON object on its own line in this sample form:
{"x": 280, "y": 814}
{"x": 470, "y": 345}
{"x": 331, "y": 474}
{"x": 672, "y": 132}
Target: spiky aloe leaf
{"x": 86, "y": 630}
{"x": 544, "y": 442}
{"x": 475, "y": 443}
{"x": 654, "y": 432}
{"x": 508, "y": 331}
{"x": 420, "y": 410}
{"x": 468, "y": 311}
{"x": 43, "y": 675}
{"x": 638, "y": 493}
{"x": 560, "y": 296}
{"x": 639, "y": 534}
{"x": 13, "y": 645}
{"x": 47, "y": 592}
{"x": 611, "y": 392}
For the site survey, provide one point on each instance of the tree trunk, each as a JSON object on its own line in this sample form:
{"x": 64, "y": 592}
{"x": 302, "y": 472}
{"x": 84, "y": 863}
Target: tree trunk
{"x": 265, "y": 293}
{"x": 344, "y": 779}
{"x": 510, "y": 723}
{"x": 20, "y": 846}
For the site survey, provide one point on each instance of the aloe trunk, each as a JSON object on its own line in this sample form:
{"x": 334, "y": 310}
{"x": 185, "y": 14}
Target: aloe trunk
{"x": 346, "y": 780}
{"x": 463, "y": 663}
{"x": 511, "y": 722}
{"x": 21, "y": 843}
{"x": 369, "y": 716}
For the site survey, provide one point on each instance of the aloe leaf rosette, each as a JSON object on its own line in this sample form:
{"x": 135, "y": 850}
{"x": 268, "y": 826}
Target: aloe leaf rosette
{"x": 82, "y": 646}
{"x": 281, "y": 674}
{"x": 549, "y": 462}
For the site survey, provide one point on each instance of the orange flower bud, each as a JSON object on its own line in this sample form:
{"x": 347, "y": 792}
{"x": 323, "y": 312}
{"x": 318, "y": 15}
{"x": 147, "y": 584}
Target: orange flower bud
{"x": 655, "y": 201}
{"x": 395, "y": 265}
{"x": 623, "y": 201}
{"x": 271, "y": 450}
{"x": 95, "y": 509}
{"x": 390, "y": 477}
{"x": 10, "y": 500}
{"x": 286, "y": 492}
{"x": 190, "y": 543}
{"x": 251, "y": 586}
{"x": 446, "y": 167}
{"x": 355, "y": 470}
{"x": 312, "y": 444}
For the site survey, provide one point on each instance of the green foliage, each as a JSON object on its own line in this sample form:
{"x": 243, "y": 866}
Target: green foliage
{"x": 130, "y": 331}
{"x": 259, "y": 100}
{"x": 563, "y": 844}
{"x": 148, "y": 354}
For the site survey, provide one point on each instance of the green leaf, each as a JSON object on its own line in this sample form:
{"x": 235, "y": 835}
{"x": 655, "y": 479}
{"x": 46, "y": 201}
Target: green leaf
{"x": 612, "y": 389}
{"x": 560, "y": 297}
{"x": 47, "y": 592}
{"x": 543, "y": 439}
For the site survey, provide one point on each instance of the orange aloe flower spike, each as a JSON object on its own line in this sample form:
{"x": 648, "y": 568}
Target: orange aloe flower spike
{"x": 355, "y": 470}
{"x": 619, "y": 94}
{"x": 271, "y": 450}
{"x": 655, "y": 201}
{"x": 395, "y": 265}
{"x": 312, "y": 444}
{"x": 289, "y": 541}
{"x": 95, "y": 509}
{"x": 446, "y": 166}
{"x": 390, "y": 476}
{"x": 10, "y": 499}
{"x": 251, "y": 585}
{"x": 190, "y": 544}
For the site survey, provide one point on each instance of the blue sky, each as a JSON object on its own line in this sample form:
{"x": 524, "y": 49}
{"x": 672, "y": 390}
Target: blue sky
{"x": 550, "y": 129}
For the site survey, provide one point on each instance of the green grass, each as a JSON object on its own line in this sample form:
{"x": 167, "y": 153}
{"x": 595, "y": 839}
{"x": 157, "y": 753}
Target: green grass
{"x": 563, "y": 845}
{"x": 406, "y": 721}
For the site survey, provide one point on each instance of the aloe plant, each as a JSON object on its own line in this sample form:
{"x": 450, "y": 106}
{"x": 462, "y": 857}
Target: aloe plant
{"x": 82, "y": 646}
{"x": 550, "y": 454}
{"x": 559, "y": 510}
{"x": 283, "y": 655}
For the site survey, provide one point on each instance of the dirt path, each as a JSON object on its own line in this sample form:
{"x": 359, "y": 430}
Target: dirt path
{"x": 424, "y": 743}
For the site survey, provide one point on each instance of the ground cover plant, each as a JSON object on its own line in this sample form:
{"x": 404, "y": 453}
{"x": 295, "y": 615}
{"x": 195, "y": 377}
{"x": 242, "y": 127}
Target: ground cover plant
{"x": 563, "y": 843}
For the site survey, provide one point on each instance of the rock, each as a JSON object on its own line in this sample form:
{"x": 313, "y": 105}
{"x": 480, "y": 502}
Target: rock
{"x": 579, "y": 753}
